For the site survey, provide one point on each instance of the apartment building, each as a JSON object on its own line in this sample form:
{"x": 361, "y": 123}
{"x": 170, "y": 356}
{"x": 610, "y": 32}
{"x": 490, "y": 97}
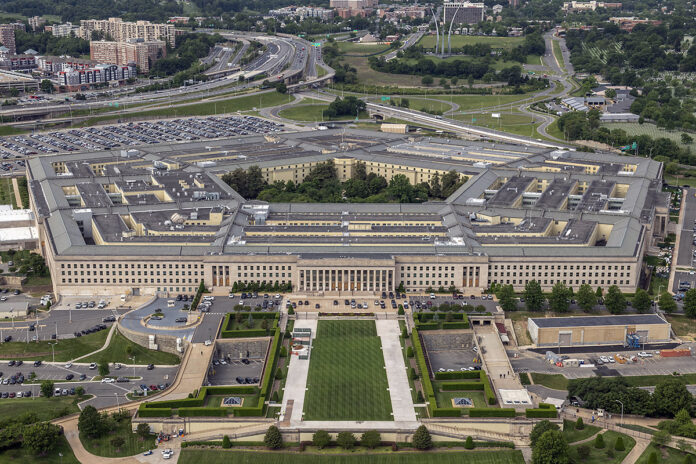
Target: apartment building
{"x": 78, "y": 79}
{"x": 122, "y": 31}
{"x": 463, "y": 12}
{"x": 7, "y": 38}
{"x": 142, "y": 53}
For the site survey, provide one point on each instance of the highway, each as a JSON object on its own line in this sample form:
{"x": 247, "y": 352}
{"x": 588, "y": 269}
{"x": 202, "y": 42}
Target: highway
{"x": 410, "y": 41}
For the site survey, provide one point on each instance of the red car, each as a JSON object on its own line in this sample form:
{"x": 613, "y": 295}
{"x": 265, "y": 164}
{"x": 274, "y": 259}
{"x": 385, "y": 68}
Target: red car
{"x": 153, "y": 387}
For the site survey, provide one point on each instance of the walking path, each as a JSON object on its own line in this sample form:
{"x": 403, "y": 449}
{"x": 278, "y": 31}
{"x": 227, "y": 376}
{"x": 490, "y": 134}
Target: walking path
{"x": 18, "y": 197}
{"x": 636, "y": 452}
{"x": 296, "y": 383}
{"x": 105, "y": 346}
{"x": 399, "y": 388}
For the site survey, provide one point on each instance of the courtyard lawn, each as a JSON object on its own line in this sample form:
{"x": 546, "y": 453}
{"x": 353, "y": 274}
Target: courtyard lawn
{"x": 117, "y": 351}
{"x": 347, "y": 378}
{"x": 664, "y": 455}
{"x": 215, "y": 401}
{"x": 573, "y": 435}
{"x": 555, "y": 381}
{"x": 506, "y": 43}
{"x": 444, "y": 399}
{"x": 65, "y": 349}
{"x": 44, "y": 408}
{"x": 192, "y": 456}
{"x": 133, "y": 445}
{"x": 599, "y": 456}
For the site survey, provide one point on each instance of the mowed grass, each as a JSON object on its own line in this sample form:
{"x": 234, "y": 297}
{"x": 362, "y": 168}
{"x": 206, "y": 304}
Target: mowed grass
{"x": 44, "y": 408}
{"x": 192, "y": 456}
{"x": 117, "y": 351}
{"x": 60, "y": 454}
{"x": 506, "y": 43}
{"x": 664, "y": 455}
{"x": 355, "y": 48}
{"x": 65, "y": 349}
{"x": 133, "y": 445}
{"x": 573, "y": 435}
{"x": 514, "y": 123}
{"x": 599, "y": 456}
{"x": 314, "y": 113}
{"x": 651, "y": 130}
{"x": 347, "y": 378}
{"x": 555, "y": 381}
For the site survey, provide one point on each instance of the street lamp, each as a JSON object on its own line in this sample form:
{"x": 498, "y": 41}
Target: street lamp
{"x": 118, "y": 404}
{"x": 53, "y": 351}
{"x": 133, "y": 358}
{"x": 622, "y": 410}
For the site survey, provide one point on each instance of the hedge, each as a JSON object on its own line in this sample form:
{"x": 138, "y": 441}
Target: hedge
{"x": 245, "y": 333}
{"x": 447, "y": 412}
{"x": 199, "y": 401}
{"x": 428, "y": 326}
{"x": 423, "y": 317}
{"x": 487, "y": 390}
{"x": 203, "y": 412}
{"x": 154, "y": 412}
{"x": 491, "y": 412}
{"x": 228, "y": 323}
{"x": 458, "y": 375}
{"x": 423, "y": 368}
{"x": 544, "y": 410}
{"x": 256, "y": 411}
{"x": 455, "y": 325}
{"x": 457, "y": 386}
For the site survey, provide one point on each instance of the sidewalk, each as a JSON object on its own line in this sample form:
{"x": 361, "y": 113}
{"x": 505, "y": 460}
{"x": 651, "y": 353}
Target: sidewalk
{"x": 399, "y": 388}
{"x": 296, "y": 383}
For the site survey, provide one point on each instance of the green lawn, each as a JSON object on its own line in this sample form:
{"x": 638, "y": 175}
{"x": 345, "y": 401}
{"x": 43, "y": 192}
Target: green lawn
{"x": 664, "y": 455}
{"x": 354, "y": 48}
{"x": 117, "y": 351}
{"x": 649, "y": 129}
{"x": 347, "y": 379}
{"x": 554, "y": 131}
{"x": 639, "y": 428}
{"x": 313, "y": 113}
{"x": 507, "y": 43}
{"x": 7, "y": 196}
{"x": 24, "y": 456}
{"x": 557, "y": 53}
{"x": 599, "y": 456}
{"x": 215, "y": 401}
{"x": 573, "y": 435}
{"x": 260, "y": 100}
{"x": 65, "y": 350}
{"x": 515, "y": 123}
{"x": 444, "y": 399}
{"x": 679, "y": 180}
{"x": 555, "y": 381}
{"x": 682, "y": 325}
{"x": 368, "y": 76}
{"x": 191, "y": 456}
{"x": 134, "y": 444}
{"x": 44, "y": 408}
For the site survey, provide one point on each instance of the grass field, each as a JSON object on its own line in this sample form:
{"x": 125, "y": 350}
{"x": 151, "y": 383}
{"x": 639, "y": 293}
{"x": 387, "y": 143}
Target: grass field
{"x": 7, "y": 196}
{"x": 9, "y": 130}
{"x": 44, "y": 408}
{"x": 24, "y": 456}
{"x": 679, "y": 180}
{"x": 514, "y": 123}
{"x": 230, "y": 105}
{"x": 555, "y": 381}
{"x": 191, "y": 456}
{"x": 634, "y": 128}
{"x": 599, "y": 456}
{"x": 573, "y": 435}
{"x": 313, "y": 113}
{"x": 117, "y": 352}
{"x": 682, "y": 325}
{"x": 444, "y": 399}
{"x": 559, "y": 382}
{"x": 506, "y": 43}
{"x": 554, "y": 131}
{"x": 347, "y": 380}
{"x": 134, "y": 444}
{"x": 354, "y": 48}
{"x": 664, "y": 455}
{"x": 557, "y": 53}
{"x": 368, "y": 76}
{"x": 65, "y": 350}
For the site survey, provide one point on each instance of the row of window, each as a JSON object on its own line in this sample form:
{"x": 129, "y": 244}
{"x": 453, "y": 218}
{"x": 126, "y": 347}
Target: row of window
{"x": 122, "y": 273}
{"x": 558, "y": 267}
{"x": 128, "y": 266}
{"x": 599, "y": 282}
{"x": 533, "y": 274}
{"x": 126, "y": 281}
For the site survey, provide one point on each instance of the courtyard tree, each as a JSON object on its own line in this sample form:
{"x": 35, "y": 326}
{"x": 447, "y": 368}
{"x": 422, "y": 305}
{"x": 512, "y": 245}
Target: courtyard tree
{"x": 667, "y": 303}
{"x": 273, "y": 439}
{"x": 559, "y": 299}
{"x": 321, "y": 438}
{"x": 670, "y": 396}
{"x": 469, "y": 443}
{"x": 539, "y": 429}
{"x": 506, "y": 296}
{"x": 690, "y": 303}
{"x": 551, "y": 448}
{"x": 615, "y": 301}
{"x": 345, "y": 440}
{"x": 422, "y": 439}
{"x": 599, "y": 441}
{"x": 226, "y": 443}
{"x": 143, "y": 431}
{"x": 642, "y": 301}
{"x": 533, "y": 296}
{"x": 587, "y": 299}
{"x": 371, "y": 439}
{"x": 90, "y": 422}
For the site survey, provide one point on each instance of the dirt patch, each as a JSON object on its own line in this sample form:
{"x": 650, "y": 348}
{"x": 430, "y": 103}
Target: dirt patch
{"x": 521, "y": 332}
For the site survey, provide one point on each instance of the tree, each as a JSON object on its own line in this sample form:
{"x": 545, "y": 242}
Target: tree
{"x": 371, "y": 439}
{"x": 690, "y": 303}
{"x": 273, "y": 439}
{"x": 118, "y": 441}
{"x": 642, "y": 301}
{"x": 599, "y": 441}
{"x": 558, "y": 301}
{"x": 41, "y": 437}
{"x": 686, "y": 139}
{"x": 610, "y": 93}
{"x": 506, "y": 296}
{"x": 47, "y": 388}
{"x": 90, "y": 422}
{"x": 427, "y": 80}
{"x": 46, "y": 86}
{"x": 103, "y": 368}
{"x": 539, "y": 429}
{"x": 551, "y": 448}
{"x": 533, "y": 296}
{"x": 422, "y": 439}
{"x": 79, "y": 391}
{"x": 587, "y": 299}
{"x": 226, "y": 443}
{"x": 143, "y": 431}
{"x": 667, "y": 303}
{"x": 345, "y": 440}
{"x": 469, "y": 443}
{"x": 670, "y": 396}
{"x": 615, "y": 301}
{"x": 661, "y": 438}
{"x": 321, "y": 438}
{"x": 619, "y": 445}
{"x": 579, "y": 424}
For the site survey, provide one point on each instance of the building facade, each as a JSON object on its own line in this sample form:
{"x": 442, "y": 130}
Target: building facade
{"x": 463, "y": 12}
{"x": 122, "y": 31}
{"x": 142, "y": 53}
{"x": 7, "y": 38}
{"x": 102, "y": 73}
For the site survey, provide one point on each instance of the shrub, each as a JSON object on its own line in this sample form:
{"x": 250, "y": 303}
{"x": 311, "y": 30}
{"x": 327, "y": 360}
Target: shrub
{"x": 371, "y": 439}
{"x": 599, "y": 441}
{"x": 579, "y": 424}
{"x": 413, "y": 373}
{"x": 422, "y": 439}
{"x": 321, "y": 438}
{"x": 345, "y": 440}
{"x": 273, "y": 439}
{"x": 619, "y": 445}
{"x": 409, "y": 351}
{"x": 226, "y": 443}
{"x": 400, "y": 312}
{"x": 469, "y": 443}
{"x": 291, "y": 311}
{"x": 583, "y": 451}
{"x": 279, "y": 374}
{"x": 274, "y": 397}
{"x": 283, "y": 352}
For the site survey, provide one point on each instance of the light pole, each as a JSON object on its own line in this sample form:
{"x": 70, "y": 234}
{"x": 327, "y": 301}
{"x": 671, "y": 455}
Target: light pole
{"x": 133, "y": 358}
{"x": 53, "y": 351}
{"x": 622, "y": 409}
{"x": 118, "y": 404}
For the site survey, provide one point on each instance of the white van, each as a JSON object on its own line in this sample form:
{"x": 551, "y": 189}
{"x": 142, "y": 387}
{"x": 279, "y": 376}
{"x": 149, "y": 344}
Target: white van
{"x": 170, "y": 303}
{"x": 208, "y": 298}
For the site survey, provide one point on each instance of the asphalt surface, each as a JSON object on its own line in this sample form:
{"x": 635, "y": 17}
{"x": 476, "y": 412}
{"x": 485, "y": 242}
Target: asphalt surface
{"x": 685, "y": 258}
{"x": 64, "y": 322}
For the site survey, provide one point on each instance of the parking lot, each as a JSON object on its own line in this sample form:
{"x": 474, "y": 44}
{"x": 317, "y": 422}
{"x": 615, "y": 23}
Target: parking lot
{"x": 133, "y": 134}
{"x": 452, "y": 360}
{"x": 226, "y": 371}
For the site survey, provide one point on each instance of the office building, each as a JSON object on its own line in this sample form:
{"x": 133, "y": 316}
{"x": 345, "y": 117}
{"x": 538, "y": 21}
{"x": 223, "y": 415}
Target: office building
{"x": 36, "y": 22}
{"x": 79, "y": 79}
{"x": 463, "y": 12}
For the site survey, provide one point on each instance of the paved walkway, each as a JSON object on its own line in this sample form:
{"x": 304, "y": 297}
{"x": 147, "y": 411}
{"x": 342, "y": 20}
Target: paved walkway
{"x": 296, "y": 383}
{"x": 399, "y": 388}
{"x": 636, "y": 452}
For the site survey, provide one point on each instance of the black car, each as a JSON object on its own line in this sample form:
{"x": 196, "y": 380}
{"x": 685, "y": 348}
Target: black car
{"x": 8, "y": 338}
{"x": 245, "y": 361}
{"x": 19, "y": 363}
{"x": 180, "y": 319}
{"x": 37, "y": 363}
{"x": 150, "y": 367}
{"x": 69, "y": 377}
{"x": 11, "y": 363}
{"x": 27, "y": 393}
{"x": 77, "y": 334}
{"x": 82, "y": 377}
{"x": 239, "y": 379}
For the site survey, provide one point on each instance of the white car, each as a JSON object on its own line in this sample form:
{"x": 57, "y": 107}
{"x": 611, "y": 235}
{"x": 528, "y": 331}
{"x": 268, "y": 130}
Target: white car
{"x": 108, "y": 380}
{"x": 604, "y": 359}
{"x": 442, "y": 369}
{"x": 167, "y": 453}
{"x": 68, "y": 366}
{"x": 612, "y": 360}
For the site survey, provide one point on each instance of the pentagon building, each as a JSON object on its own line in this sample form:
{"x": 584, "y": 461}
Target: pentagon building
{"x": 160, "y": 219}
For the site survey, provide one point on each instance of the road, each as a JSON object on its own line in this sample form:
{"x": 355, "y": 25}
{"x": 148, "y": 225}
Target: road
{"x": 684, "y": 258}
{"x": 410, "y": 41}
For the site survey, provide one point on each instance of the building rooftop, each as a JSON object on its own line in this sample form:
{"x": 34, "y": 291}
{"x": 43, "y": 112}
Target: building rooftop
{"x": 596, "y": 321}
